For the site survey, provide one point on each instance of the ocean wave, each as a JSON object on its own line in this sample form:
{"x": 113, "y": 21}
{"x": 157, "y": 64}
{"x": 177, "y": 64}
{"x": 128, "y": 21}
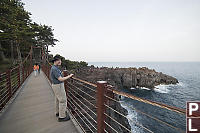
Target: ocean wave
{"x": 162, "y": 88}
{"x": 181, "y": 84}
{"x": 166, "y": 88}
{"x": 144, "y": 88}
{"x": 132, "y": 116}
{"x": 132, "y": 88}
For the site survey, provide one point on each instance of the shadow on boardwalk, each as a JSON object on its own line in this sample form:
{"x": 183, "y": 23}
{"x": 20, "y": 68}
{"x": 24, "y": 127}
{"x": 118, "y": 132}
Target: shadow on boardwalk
{"x": 33, "y": 110}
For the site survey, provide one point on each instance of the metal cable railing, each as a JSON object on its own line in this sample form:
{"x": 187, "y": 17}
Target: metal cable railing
{"x": 93, "y": 106}
{"x": 12, "y": 79}
{"x": 84, "y": 101}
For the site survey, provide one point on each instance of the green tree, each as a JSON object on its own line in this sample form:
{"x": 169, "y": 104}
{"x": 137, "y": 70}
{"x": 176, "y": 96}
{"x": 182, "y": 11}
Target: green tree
{"x": 18, "y": 33}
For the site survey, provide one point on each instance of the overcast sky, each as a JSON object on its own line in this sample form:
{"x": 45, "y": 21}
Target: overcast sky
{"x": 122, "y": 30}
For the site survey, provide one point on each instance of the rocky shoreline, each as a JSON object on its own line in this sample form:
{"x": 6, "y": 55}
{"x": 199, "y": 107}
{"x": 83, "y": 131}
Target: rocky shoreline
{"x": 125, "y": 78}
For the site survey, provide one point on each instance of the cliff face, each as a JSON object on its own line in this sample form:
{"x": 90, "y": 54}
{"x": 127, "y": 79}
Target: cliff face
{"x": 123, "y": 78}
{"x": 126, "y": 77}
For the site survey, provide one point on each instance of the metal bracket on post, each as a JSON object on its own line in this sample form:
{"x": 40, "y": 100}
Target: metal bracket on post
{"x": 101, "y": 87}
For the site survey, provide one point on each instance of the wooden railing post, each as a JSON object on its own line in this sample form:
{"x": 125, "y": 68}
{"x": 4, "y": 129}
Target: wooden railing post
{"x": 1, "y": 104}
{"x": 66, "y": 86}
{"x": 9, "y": 83}
{"x": 31, "y": 56}
{"x": 101, "y": 87}
{"x": 48, "y": 72}
{"x": 65, "y": 74}
{"x": 23, "y": 73}
{"x": 45, "y": 69}
{"x": 26, "y": 72}
{"x": 30, "y": 70}
{"x": 19, "y": 81}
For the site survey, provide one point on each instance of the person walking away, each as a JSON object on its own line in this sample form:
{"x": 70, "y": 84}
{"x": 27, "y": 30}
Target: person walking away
{"x": 59, "y": 90}
{"x": 39, "y": 69}
{"x": 35, "y": 70}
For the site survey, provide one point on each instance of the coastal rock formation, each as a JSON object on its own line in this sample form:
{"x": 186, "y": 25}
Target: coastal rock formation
{"x": 122, "y": 78}
{"x": 126, "y": 77}
{"x": 122, "y": 120}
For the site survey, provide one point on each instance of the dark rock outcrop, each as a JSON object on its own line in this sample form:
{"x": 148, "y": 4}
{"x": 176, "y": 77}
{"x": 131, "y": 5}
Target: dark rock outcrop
{"x": 126, "y": 77}
{"x": 123, "y": 78}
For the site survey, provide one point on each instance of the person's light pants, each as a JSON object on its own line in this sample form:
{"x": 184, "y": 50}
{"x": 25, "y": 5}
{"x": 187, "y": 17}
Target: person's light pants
{"x": 35, "y": 72}
{"x": 60, "y": 99}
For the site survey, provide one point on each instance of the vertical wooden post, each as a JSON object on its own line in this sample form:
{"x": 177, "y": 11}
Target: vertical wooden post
{"x": 31, "y": 56}
{"x": 31, "y": 62}
{"x": 19, "y": 81}
{"x": 45, "y": 70}
{"x": 30, "y": 69}
{"x": 49, "y": 74}
{"x": 23, "y": 74}
{"x": 65, "y": 74}
{"x": 42, "y": 54}
{"x": 48, "y": 71}
{"x": 66, "y": 86}
{"x": 1, "y": 104}
{"x": 26, "y": 72}
{"x": 101, "y": 86}
{"x": 9, "y": 83}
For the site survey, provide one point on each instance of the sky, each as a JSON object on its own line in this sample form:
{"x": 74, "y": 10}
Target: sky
{"x": 121, "y": 30}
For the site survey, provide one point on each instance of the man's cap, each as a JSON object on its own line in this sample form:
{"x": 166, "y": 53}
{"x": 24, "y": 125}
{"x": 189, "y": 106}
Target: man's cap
{"x": 55, "y": 58}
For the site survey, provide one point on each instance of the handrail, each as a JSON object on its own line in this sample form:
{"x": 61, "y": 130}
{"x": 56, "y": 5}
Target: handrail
{"x": 172, "y": 108}
{"x": 83, "y": 81}
{"x": 83, "y": 95}
{"x": 12, "y": 79}
{"x": 161, "y": 105}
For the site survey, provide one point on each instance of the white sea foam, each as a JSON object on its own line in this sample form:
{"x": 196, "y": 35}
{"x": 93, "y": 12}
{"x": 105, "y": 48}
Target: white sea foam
{"x": 144, "y": 88}
{"x": 132, "y": 88}
{"x": 166, "y": 88}
{"x": 162, "y": 88}
{"x": 181, "y": 84}
{"x": 132, "y": 116}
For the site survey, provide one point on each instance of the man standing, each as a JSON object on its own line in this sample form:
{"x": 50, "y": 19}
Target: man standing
{"x": 59, "y": 89}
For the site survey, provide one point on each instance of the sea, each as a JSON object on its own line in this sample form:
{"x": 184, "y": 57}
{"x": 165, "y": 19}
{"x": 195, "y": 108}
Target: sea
{"x": 143, "y": 116}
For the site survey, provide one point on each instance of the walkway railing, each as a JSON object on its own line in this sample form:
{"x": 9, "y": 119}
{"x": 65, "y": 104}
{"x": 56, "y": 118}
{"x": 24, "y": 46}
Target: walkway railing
{"x": 93, "y": 106}
{"x": 12, "y": 79}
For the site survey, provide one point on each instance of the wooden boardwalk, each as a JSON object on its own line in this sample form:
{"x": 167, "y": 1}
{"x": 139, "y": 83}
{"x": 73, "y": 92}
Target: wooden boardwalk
{"x": 33, "y": 110}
